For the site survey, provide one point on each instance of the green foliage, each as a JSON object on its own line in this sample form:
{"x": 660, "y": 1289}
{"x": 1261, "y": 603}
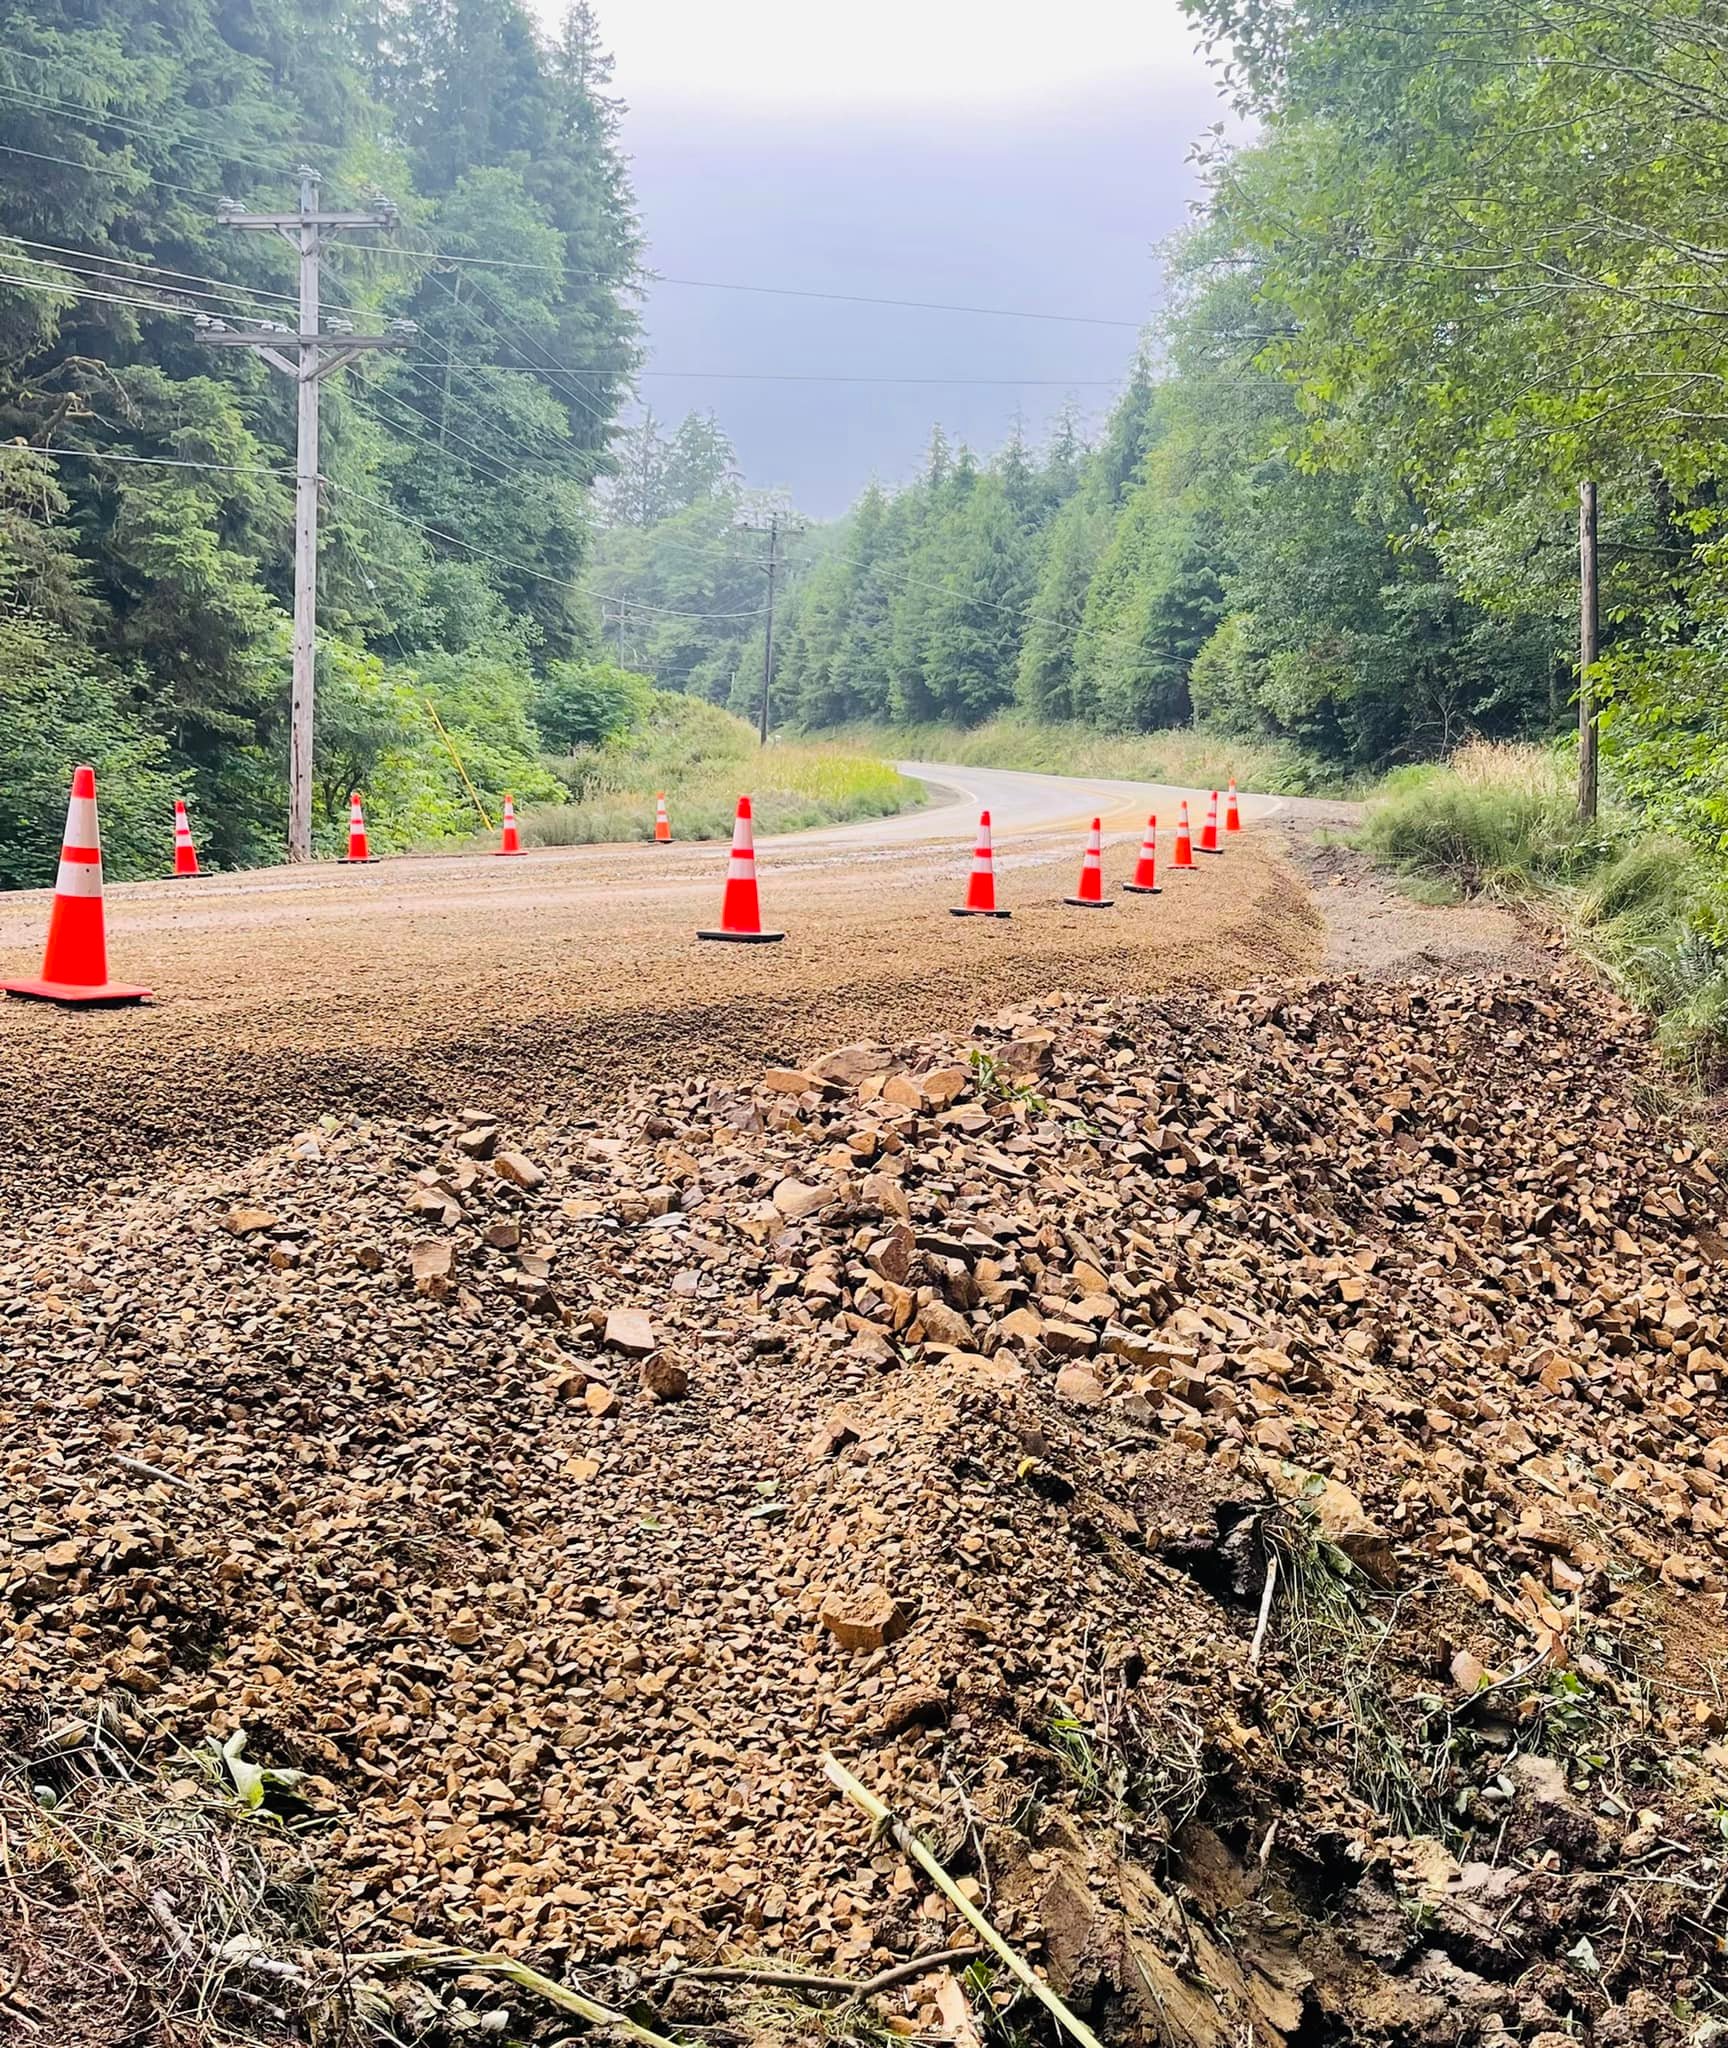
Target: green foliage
{"x": 460, "y": 471}
{"x": 377, "y": 734}
{"x": 1484, "y": 839}
{"x": 1046, "y": 683}
{"x": 584, "y": 704}
{"x": 1190, "y": 564}
{"x": 681, "y": 596}
{"x": 60, "y": 707}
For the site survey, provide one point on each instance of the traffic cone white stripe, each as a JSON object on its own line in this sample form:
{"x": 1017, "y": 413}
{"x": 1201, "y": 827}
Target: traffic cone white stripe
{"x": 80, "y": 872}
{"x": 81, "y": 832}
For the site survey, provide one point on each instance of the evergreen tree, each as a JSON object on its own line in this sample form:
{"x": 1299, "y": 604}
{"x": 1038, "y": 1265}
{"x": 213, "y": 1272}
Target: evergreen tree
{"x": 971, "y": 635}
{"x": 1045, "y": 682}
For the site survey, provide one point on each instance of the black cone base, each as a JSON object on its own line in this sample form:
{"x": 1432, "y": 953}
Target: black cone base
{"x": 1141, "y": 889}
{"x": 745, "y": 938}
{"x": 1088, "y": 903}
{"x": 960, "y": 910}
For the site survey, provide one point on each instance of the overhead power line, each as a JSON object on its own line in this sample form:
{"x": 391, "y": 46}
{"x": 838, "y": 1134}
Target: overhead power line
{"x": 782, "y": 291}
{"x": 664, "y": 611}
{"x": 23, "y": 95}
{"x": 455, "y": 539}
{"x": 73, "y": 291}
{"x": 152, "y": 270}
{"x": 501, "y": 321}
{"x": 545, "y": 452}
{"x": 809, "y": 376}
{"x": 494, "y": 476}
{"x": 150, "y": 461}
{"x": 73, "y": 163}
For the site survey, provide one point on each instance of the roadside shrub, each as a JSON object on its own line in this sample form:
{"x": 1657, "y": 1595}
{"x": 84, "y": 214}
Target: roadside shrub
{"x": 584, "y": 704}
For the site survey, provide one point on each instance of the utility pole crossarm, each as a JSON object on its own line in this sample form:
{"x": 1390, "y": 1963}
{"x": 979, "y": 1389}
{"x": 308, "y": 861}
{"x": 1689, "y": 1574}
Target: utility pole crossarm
{"x": 269, "y": 339}
{"x": 308, "y": 353}
{"x": 291, "y": 223}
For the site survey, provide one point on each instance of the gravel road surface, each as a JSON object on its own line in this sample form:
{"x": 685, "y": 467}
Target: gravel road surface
{"x": 439, "y": 981}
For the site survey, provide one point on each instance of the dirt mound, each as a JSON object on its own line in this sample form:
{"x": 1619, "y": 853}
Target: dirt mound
{"x": 1243, "y": 1475}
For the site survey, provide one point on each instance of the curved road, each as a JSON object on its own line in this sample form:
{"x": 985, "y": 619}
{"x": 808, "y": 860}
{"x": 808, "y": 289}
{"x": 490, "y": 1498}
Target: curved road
{"x": 1021, "y": 802}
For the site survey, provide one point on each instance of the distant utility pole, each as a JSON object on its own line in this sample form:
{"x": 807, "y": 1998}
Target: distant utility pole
{"x": 770, "y": 513}
{"x": 1589, "y": 643}
{"x": 308, "y": 355}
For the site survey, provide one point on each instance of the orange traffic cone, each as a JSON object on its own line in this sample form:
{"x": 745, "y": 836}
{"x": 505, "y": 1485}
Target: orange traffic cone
{"x": 1209, "y": 831}
{"x": 740, "y": 913}
{"x": 357, "y": 854}
{"x": 662, "y": 823}
{"x": 75, "y": 965}
{"x": 1092, "y": 896}
{"x": 512, "y": 842}
{"x": 1145, "y": 882}
{"x": 185, "y": 853}
{"x": 981, "y": 883}
{"x": 1184, "y": 845}
{"x": 1232, "y": 817}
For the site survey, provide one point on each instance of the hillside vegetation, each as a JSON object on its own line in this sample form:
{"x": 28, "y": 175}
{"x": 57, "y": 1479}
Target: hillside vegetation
{"x": 1197, "y": 757}
{"x": 703, "y": 759}
{"x": 146, "y": 527}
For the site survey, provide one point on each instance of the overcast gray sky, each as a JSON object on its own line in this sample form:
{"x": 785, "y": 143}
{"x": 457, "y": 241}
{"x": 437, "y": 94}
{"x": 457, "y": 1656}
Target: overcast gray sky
{"x": 949, "y": 150}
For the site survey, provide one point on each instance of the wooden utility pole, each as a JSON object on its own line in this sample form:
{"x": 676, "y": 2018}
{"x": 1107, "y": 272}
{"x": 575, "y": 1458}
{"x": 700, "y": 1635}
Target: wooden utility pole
{"x": 1589, "y": 640}
{"x": 772, "y": 516}
{"x": 768, "y": 629}
{"x": 449, "y": 362}
{"x": 308, "y": 355}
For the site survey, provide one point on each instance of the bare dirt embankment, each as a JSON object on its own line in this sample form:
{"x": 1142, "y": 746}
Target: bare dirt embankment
{"x": 1245, "y": 1474}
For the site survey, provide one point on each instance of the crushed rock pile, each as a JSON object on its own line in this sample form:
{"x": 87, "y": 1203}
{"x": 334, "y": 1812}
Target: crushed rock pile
{"x": 1246, "y": 1475}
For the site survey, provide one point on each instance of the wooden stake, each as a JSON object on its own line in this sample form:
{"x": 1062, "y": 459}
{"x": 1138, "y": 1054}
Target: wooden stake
{"x": 903, "y": 1837}
{"x": 1259, "y": 1642}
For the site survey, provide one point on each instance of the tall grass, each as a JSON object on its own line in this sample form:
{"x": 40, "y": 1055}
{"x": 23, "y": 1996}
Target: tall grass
{"x": 1650, "y": 910}
{"x": 704, "y": 759}
{"x": 1185, "y": 755}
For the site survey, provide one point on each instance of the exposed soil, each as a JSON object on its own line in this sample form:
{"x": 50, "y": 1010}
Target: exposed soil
{"x": 1372, "y": 926}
